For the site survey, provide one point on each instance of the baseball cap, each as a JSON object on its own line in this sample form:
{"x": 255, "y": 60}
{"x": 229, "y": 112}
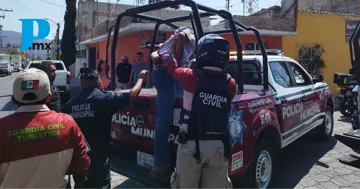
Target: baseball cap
{"x": 33, "y": 81}
{"x": 124, "y": 58}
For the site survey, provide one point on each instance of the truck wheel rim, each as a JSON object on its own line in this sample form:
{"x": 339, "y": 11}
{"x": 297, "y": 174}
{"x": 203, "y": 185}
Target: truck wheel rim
{"x": 328, "y": 122}
{"x": 263, "y": 169}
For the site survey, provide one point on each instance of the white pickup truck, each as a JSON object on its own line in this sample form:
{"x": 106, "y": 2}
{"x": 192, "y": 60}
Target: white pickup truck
{"x": 63, "y": 77}
{"x": 15, "y": 61}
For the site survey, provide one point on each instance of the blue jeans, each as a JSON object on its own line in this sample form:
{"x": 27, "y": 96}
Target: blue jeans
{"x": 167, "y": 91}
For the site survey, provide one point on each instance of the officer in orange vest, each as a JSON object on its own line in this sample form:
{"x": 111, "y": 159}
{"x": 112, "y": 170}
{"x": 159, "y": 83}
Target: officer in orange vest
{"x": 38, "y": 146}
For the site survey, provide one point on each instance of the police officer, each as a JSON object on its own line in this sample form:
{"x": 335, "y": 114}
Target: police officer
{"x": 204, "y": 149}
{"x": 50, "y": 69}
{"x": 55, "y": 102}
{"x": 38, "y": 146}
{"x": 93, "y": 109}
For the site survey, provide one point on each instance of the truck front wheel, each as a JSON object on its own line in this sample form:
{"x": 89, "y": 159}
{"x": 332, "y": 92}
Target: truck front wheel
{"x": 325, "y": 130}
{"x": 262, "y": 165}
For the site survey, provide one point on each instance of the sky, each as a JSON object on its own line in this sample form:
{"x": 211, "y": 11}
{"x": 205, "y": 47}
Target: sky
{"x": 55, "y": 10}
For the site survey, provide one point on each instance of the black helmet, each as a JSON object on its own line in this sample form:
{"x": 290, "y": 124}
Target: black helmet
{"x": 212, "y": 50}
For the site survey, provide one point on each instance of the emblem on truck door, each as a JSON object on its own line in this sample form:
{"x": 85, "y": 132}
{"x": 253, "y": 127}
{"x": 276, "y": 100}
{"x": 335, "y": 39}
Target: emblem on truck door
{"x": 137, "y": 121}
{"x": 236, "y": 126}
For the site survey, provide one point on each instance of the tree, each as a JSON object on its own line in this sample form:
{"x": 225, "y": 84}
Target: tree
{"x": 14, "y": 52}
{"x": 68, "y": 40}
{"x": 37, "y": 57}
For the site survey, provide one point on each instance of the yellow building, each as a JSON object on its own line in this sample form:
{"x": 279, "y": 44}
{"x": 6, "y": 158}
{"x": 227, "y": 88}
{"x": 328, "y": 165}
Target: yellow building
{"x": 331, "y": 32}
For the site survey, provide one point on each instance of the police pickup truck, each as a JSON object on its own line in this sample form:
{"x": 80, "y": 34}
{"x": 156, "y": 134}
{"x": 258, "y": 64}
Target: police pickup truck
{"x": 259, "y": 126}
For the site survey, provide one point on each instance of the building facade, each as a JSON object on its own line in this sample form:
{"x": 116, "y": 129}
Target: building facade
{"x": 339, "y": 6}
{"x": 324, "y": 36}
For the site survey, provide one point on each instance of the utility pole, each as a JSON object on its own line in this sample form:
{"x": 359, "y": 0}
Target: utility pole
{"x": 58, "y": 41}
{"x": 244, "y": 7}
{"x": 228, "y": 9}
{"x": 5, "y": 10}
{"x": 228, "y": 5}
{"x": 57, "y": 38}
{"x": 1, "y": 41}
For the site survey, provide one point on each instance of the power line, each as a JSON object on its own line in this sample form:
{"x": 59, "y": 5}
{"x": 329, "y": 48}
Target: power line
{"x": 51, "y": 3}
{"x": 61, "y": 11}
{"x": 5, "y": 10}
{"x": 25, "y": 8}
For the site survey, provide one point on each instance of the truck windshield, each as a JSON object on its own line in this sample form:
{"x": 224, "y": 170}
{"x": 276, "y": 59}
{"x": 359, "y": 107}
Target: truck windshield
{"x": 59, "y": 66}
{"x": 34, "y": 65}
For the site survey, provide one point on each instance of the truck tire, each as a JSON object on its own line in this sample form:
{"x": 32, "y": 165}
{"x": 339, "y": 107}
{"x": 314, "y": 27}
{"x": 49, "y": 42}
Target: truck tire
{"x": 262, "y": 165}
{"x": 345, "y": 108}
{"x": 325, "y": 130}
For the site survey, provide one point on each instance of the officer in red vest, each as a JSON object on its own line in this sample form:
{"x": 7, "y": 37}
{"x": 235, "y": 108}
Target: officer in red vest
{"x": 208, "y": 92}
{"x": 38, "y": 146}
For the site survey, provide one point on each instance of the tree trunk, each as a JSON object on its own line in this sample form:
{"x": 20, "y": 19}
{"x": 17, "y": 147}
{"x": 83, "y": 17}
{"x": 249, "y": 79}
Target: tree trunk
{"x": 68, "y": 40}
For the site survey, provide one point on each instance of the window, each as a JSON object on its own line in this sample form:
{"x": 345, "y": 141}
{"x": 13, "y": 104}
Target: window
{"x": 280, "y": 74}
{"x": 81, "y": 54}
{"x": 254, "y": 46}
{"x": 59, "y": 66}
{"x": 250, "y": 46}
{"x": 301, "y": 78}
{"x": 34, "y": 65}
{"x": 252, "y": 75}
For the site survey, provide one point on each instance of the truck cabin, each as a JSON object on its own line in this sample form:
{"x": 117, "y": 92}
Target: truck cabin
{"x": 252, "y": 67}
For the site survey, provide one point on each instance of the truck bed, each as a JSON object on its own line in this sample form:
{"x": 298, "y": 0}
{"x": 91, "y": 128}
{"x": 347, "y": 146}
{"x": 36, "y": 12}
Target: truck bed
{"x": 146, "y": 92}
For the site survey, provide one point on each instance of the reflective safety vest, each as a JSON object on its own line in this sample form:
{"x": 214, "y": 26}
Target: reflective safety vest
{"x": 211, "y": 105}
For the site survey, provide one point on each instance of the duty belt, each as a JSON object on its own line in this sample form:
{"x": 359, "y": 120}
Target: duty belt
{"x": 224, "y": 139}
{"x": 197, "y": 135}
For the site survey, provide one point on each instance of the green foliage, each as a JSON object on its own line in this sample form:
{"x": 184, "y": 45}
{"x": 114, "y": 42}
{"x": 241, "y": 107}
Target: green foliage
{"x": 37, "y": 58}
{"x": 14, "y": 52}
{"x": 68, "y": 40}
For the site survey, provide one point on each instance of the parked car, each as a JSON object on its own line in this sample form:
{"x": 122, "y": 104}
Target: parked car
{"x": 16, "y": 61}
{"x": 260, "y": 125}
{"x": 5, "y": 67}
{"x": 62, "y": 80}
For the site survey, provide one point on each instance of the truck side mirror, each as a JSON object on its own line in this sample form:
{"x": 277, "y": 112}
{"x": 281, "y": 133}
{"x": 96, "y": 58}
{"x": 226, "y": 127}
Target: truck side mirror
{"x": 318, "y": 78}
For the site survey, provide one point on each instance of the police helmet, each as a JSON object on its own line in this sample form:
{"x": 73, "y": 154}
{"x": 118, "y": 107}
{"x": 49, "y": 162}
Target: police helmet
{"x": 212, "y": 50}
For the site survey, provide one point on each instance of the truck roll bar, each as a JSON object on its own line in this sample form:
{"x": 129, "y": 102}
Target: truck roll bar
{"x": 194, "y": 17}
{"x": 356, "y": 57}
{"x": 352, "y": 58}
{"x": 107, "y": 52}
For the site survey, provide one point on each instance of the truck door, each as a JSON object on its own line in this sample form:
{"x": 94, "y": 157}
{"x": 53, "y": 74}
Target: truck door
{"x": 311, "y": 115}
{"x": 289, "y": 99}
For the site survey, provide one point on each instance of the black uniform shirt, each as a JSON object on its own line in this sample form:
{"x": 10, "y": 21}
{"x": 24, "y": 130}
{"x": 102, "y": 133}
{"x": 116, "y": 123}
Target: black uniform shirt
{"x": 123, "y": 71}
{"x": 54, "y": 103}
{"x": 92, "y": 110}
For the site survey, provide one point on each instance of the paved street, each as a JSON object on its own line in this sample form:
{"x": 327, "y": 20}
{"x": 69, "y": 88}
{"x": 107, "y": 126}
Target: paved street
{"x": 304, "y": 164}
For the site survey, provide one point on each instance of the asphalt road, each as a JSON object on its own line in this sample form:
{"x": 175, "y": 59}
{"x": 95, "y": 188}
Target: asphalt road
{"x": 303, "y": 164}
